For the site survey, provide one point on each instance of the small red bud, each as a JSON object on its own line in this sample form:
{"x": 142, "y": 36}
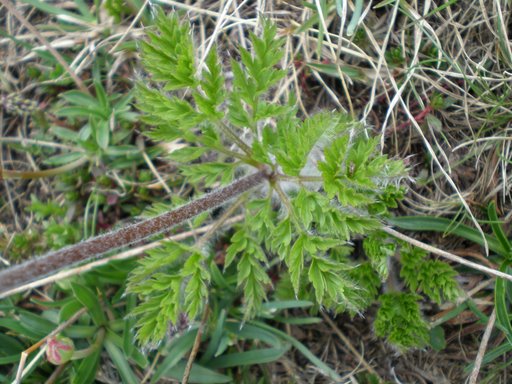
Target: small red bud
{"x": 59, "y": 349}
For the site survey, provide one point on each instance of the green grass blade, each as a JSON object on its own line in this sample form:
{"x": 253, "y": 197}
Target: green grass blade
{"x": 252, "y": 332}
{"x": 442, "y": 225}
{"x": 36, "y": 323}
{"x": 175, "y": 351}
{"x": 198, "y": 374}
{"x": 217, "y": 333}
{"x": 286, "y": 304}
{"x": 497, "y": 229}
{"x": 57, "y": 11}
{"x": 500, "y": 303}
{"x": 356, "y": 15}
{"x": 253, "y": 357}
{"x": 493, "y": 354}
{"x": 298, "y": 320}
{"x": 87, "y": 368}
{"x": 119, "y": 360}
{"x": 9, "y": 345}
{"x": 324, "y": 368}
{"x": 10, "y": 359}
{"x": 89, "y": 300}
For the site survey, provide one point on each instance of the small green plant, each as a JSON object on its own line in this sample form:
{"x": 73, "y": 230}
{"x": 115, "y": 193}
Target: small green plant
{"x": 103, "y": 125}
{"x": 327, "y": 181}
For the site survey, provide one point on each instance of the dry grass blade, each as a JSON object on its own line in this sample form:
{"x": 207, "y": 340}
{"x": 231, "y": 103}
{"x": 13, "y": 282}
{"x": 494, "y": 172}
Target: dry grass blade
{"x": 12, "y": 9}
{"x": 483, "y": 347}
{"x": 447, "y": 255}
{"x": 360, "y": 358}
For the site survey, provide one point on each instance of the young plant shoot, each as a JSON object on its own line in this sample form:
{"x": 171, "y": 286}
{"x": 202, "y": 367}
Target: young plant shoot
{"x": 326, "y": 179}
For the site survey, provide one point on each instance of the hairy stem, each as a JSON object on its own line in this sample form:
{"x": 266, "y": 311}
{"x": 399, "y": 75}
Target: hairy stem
{"x": 36, "y": 268}
{"x": 236, "y": 139}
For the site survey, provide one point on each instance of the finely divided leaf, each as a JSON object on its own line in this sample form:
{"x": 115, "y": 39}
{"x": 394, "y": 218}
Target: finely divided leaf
{"x": 212, "y": 84}
{"x": 169, "y": 54}
{"x": 295, "y": 142}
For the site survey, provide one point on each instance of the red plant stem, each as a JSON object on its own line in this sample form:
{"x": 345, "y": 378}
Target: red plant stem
{"x": 34, "y": 269}
{"x": 419, "y": 117}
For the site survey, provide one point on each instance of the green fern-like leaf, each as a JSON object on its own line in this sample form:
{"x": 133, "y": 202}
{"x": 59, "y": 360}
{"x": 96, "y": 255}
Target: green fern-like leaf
{"x": 196, "y": 288}
{"x": 411, "y": 258}
{"x": 252, "y": 276}
{"x": 254, "y": 76}
{"x": 399, "y": 320}
{"x": 355, "y": 173}
{"x": 159, "y": 309}
{"x": 434, "y": 278}
{"x": 437, "y": 281}
{"x": 295, "y": 260}
{"x": 330, "y": 282}
{"x": 166, "y": 256}
{"x": 169, "y": 53}
{"x": 368, "y": 280}
{"x": 172, "y": 118}
{"x": 209, "y": 173}
{"x": 317, "y": 212}
{"x": 294, "y": 142}
{"x": 171, "y": 280}
{"x": 212, "y": 85}
{"x": 379, "y": 248}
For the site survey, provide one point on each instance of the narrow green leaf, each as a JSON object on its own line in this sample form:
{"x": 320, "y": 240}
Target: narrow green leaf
{"x": 64, "y": 133}
{"x": 87, "y": 368}
{"x": 198, "y": 374}
{"x": 65, "y": 158}
{"x": 120, "y": 362}
{"x": 69, "y": 309}
{"x": 101, "y": 95}
{"x": 175, "y": 350}
{"x": 501, "y": 305}
{"x": 102, "y": 133}
{"x": 491, "y": 355}
{"x": 89, "y": 300}
{"x": 217, "y": 333}
{"x": 442, "y": 225}
{"x": 9, "y": 345}
{"x": 322, "y": 367}
{"x": 286, "y": 304}
{"x": 10, "y": 359}
{"x": 256, "y": 356}
{"x": 497, "y": 229}
{"x": 81, "y": 112}
{"x": 437, "y": 338}
{"x": 129, "y": 325}
{"x": 247, "y": 331}
{"x": 58, "y": 11}
{"x": 353, "y": 72}
{"x": 298, "y": 320}
{"x": 36, "y": 323}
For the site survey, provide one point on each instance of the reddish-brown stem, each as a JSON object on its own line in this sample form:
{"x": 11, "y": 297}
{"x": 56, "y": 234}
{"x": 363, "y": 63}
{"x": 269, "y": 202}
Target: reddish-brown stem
{"x": 44, "y": 265}
{"x": 419, "y": 118}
